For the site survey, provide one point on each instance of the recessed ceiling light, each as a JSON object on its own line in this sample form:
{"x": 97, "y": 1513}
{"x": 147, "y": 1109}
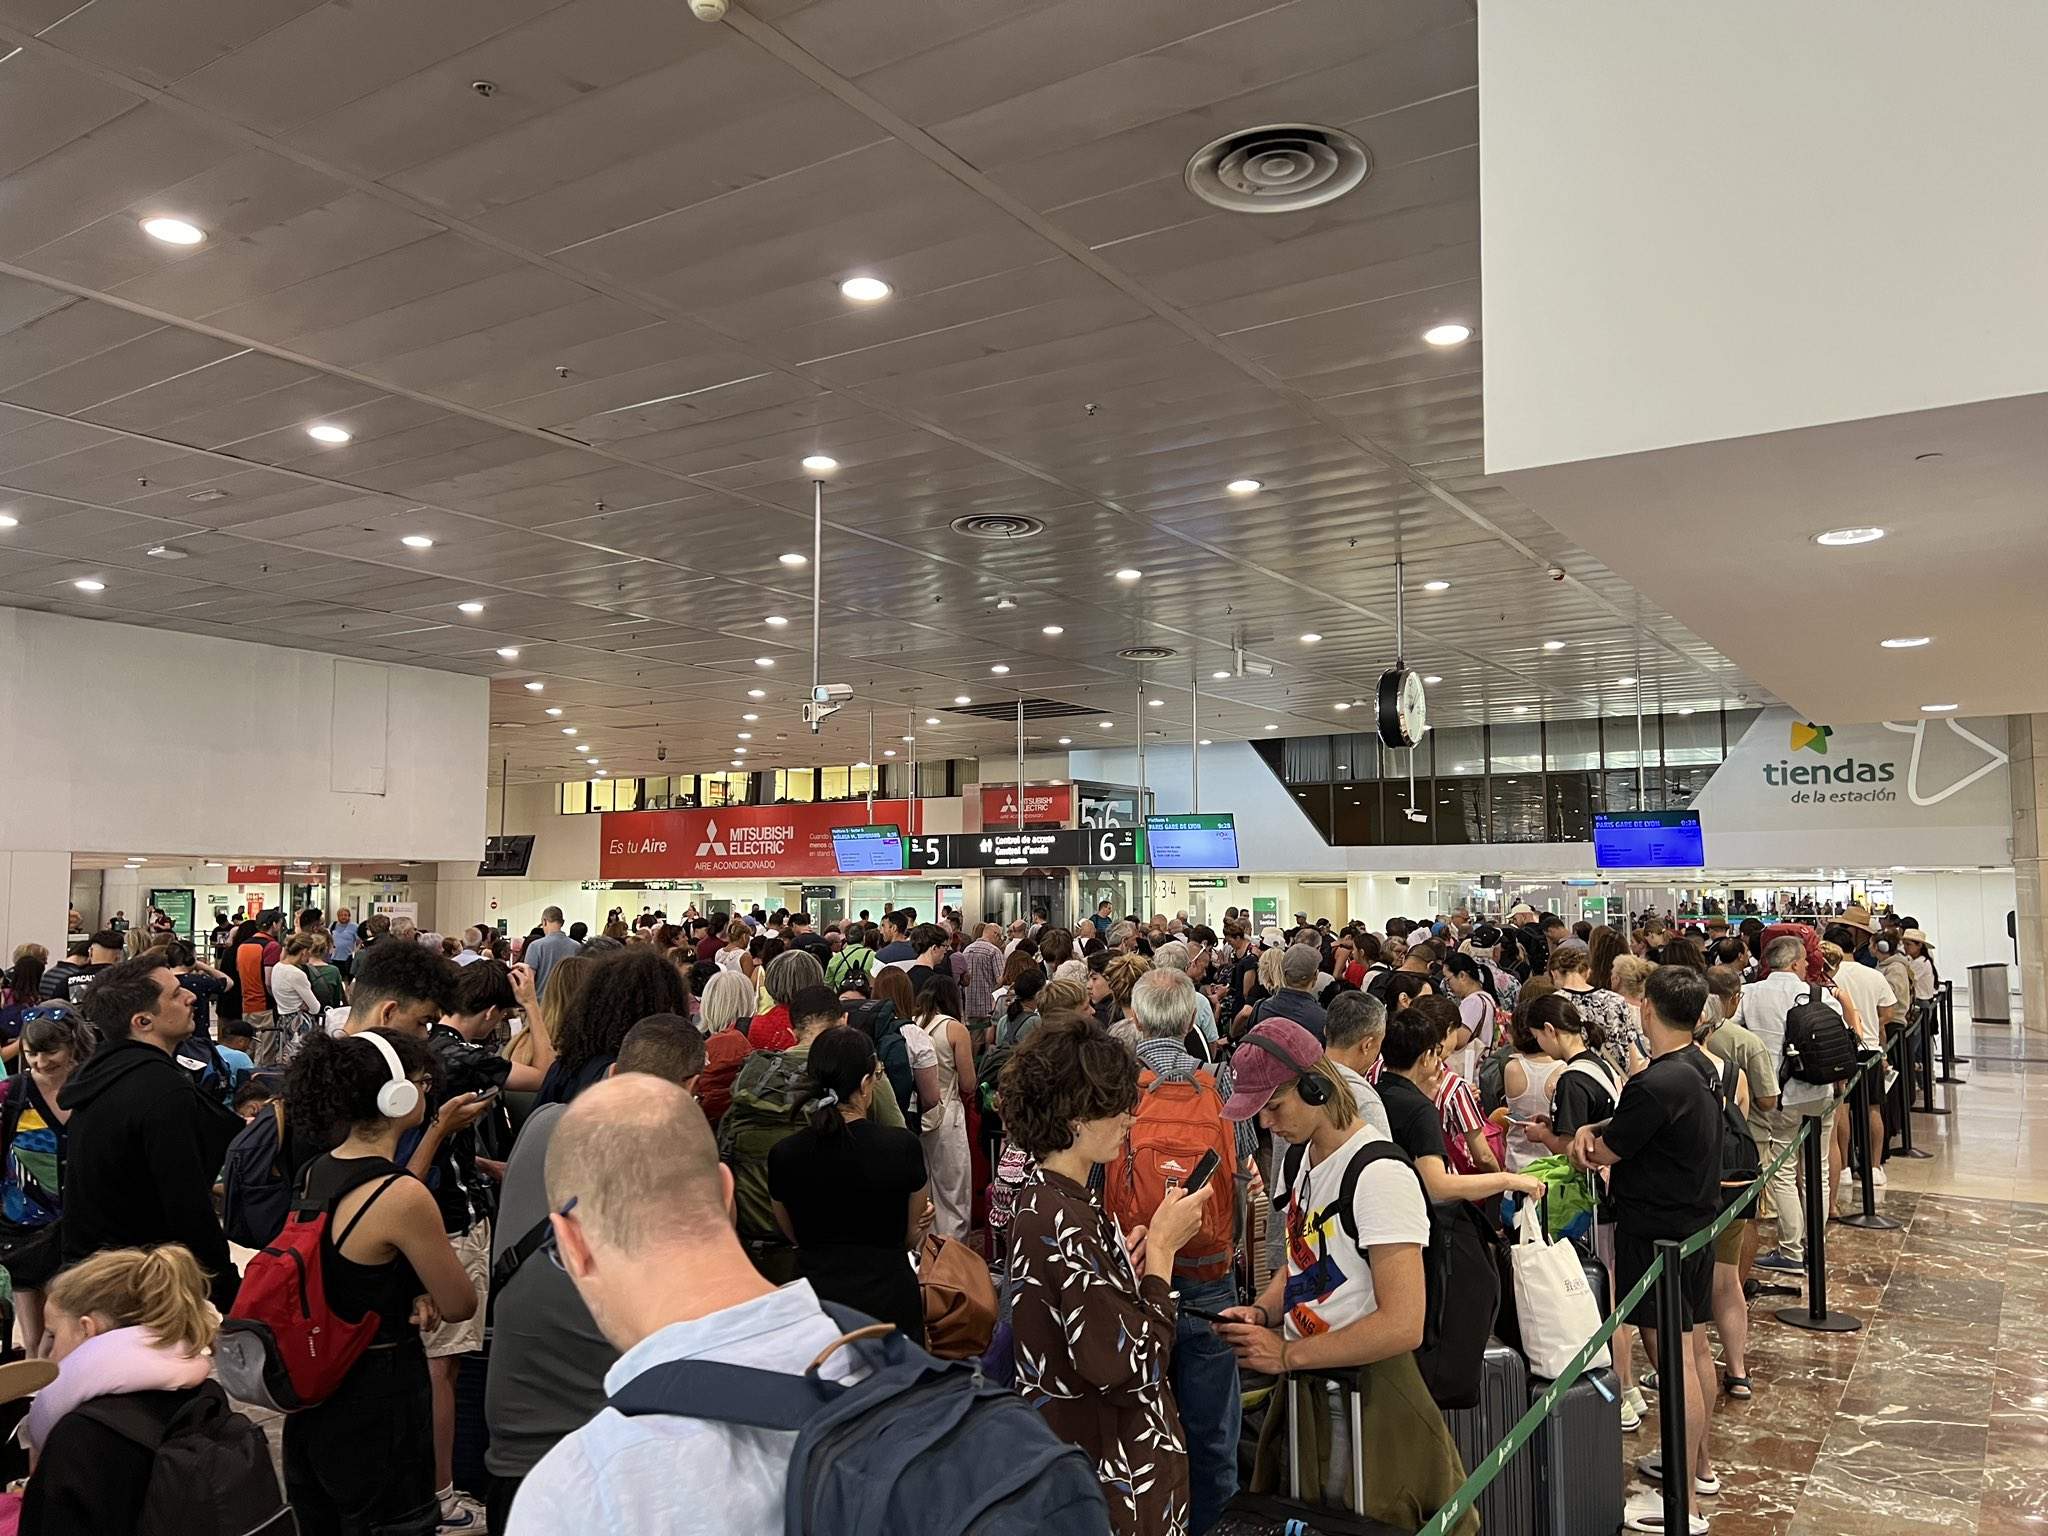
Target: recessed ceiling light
{"x": 1053, "y": 629}
{"x": 1432, "y": 678}
{"x": 906, "y": 738}
{"x": 1553, "y": 645}
{"x": 604, "y": 773}
{"x": 471, "y": 608}
{"x": 1311, "y": 638}
{"x": 757, "y": 693}
{"x": 865, "y": 289}
{"x": 1624, "y": 682}
{"x": 739, "y": 762}
{"x": 1154, "y": 703}
{"x": 328, "y": 432}
{"x": 1436, "y": 586}
{"x": 886, "y": 752}
{"x": 999, "y": 669}
{"x": 1340, "y": 706}
{"x": 1840, "y": 538}
{"x": 961, "y": 698}
{"x": 764, "y": 661}
{"x": 1938, "y": 709}
{"x": 1244, "y": 487}
{"x": 173, "y": 231}
{"x": 1066, "y": 741}
{"x": 9, "y": 520}
{"x": 535, "y": 687}
{"x": 745, "y": 735}
{"x": 417, "y": 541}
{"x": 1905, "y": 642}
{"x": 553, "y": 711}
{"x": 931, "y": 719}
{"x": 1272, "y": 726}
{"x": 582, "y": 746}
{"x": 739, "y": 751}
{"x": 750, "y": 716}
{"x": 821, "y": 462}
{"x": 1448, "y": 335}
{"x": 1220, "y": 674}
{"x": 791, "y": 557}
{"x": 509, "y": 652}
{"x": 1005, "y": 604}
{"x": 1129, "y": 574}
{"x": 1103, "y": 725}
{"x": 1685, "y": 709}
{"x": 568, "y": 730}
{"x": 87, "y": 584}
{"x": 1521, "y": 709}
{"x": 1207, "y": 742}
{"x": 775, "y": 621}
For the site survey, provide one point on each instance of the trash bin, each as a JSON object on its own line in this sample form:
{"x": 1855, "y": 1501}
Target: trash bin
{"x": 1990, "y": 1002}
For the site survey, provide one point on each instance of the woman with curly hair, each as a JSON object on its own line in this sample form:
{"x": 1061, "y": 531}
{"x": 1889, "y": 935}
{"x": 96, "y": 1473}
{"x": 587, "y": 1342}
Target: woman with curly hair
{"x": 1121, "y": 975}
{"x": 623, "y": 988}
{"x": 1094, "y": 1314}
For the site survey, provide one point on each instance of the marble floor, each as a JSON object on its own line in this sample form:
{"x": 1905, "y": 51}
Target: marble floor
{"x": 1934, "y": 1417}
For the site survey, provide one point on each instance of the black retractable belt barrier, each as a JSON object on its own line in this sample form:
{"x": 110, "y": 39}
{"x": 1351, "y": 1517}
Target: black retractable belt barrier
{"x": 1815, "y": 1316}
{"x": 1900, "y": 1047}
{"x": 1945, "y": 1001}
{"x": 1672, "y": 1345}
{"x": 1859, "y": 1140}
{"x": 1924, "y": 1052}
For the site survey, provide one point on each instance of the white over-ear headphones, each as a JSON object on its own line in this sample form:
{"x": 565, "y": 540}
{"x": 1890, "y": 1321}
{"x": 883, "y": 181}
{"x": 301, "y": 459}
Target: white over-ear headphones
{"x": 401, "y": 1095}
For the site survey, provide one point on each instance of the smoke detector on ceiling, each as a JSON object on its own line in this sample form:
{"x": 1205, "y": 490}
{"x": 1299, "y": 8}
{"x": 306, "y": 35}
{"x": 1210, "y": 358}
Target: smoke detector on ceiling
{"x": 1280, "y": 168}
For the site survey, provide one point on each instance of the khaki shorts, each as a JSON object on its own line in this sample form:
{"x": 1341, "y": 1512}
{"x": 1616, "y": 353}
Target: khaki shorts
{"x": 473, "y": 1248}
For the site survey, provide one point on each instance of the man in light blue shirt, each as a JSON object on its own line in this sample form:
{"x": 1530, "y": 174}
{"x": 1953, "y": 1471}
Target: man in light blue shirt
{"x": 550, "y": 949}
{"x": 643, "y": 1230}
{"x": 344, "y": 934}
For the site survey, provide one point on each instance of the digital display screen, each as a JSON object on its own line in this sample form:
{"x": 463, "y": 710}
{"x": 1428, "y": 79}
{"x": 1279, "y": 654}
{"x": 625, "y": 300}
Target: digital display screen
{"x": 1649, "y": 840}
{"x": 506, "y": 855}
{"x": 1206, "y": 841}
{"x": 876, "y": 850}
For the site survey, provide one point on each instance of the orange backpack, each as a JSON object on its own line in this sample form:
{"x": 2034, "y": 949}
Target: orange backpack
{"x": 1178, "y": 1121}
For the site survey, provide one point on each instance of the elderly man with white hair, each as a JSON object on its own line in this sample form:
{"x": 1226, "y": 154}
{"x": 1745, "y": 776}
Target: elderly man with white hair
{"x": 1174, "y": 957}
{"x": 1764, "y": 1007}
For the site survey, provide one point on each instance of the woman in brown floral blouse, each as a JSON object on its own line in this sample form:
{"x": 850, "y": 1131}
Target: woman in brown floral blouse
{"x": 1094, "y": 1311}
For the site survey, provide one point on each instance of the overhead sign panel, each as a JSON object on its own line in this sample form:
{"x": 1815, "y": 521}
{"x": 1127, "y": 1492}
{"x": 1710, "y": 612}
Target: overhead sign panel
{"x": 871, "y": 850}
{"x": 1206, "y": 840}
{"x": 1649, "y": 840}
{"x": 1052, "y": 847}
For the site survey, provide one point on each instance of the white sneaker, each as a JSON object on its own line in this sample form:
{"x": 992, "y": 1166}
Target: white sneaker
{"x": 1877, "y": 1177}
{"x": 464, "y": 1515}
{"x": 1633, "y": 1409}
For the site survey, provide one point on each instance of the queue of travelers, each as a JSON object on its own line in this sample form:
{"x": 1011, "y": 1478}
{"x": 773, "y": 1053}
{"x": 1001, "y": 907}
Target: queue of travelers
{"x": 1141, "y": 1172}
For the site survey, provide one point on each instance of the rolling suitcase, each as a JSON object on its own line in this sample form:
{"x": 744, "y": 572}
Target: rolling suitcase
{"x": 1508, "y": 1506}
{"x": 1269, "y": 1514}
{"x": 1576, "y": 1453}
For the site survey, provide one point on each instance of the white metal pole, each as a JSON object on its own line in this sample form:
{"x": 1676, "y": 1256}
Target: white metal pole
{"x": 1020, "y": 762}
{"x": 1194, "y": 738}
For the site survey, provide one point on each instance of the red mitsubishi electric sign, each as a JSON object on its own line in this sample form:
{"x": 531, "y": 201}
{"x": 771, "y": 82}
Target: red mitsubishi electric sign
{"x": 732, "y": 841}
{"x": 1045, "y": 805}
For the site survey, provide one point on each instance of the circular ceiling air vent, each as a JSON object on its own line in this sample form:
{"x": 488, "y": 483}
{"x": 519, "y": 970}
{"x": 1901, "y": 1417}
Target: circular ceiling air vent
{"x": 998, "y": 526}
{"x": 1280, "y": 168}
{"x": 1147, "y": 653}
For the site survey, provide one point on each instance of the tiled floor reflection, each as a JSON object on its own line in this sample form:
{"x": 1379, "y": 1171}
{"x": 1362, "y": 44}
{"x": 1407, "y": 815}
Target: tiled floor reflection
{"x": 1933, "y": 1418}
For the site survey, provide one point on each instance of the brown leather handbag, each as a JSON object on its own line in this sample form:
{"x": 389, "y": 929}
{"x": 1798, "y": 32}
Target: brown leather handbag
{"x": 959, "y": 1299}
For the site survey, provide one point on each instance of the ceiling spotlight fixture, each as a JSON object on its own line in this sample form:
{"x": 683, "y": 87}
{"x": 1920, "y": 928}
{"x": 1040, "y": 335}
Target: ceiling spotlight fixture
{"x": 1220, "y": 674}
{"x": 739, "y": 751}
{"x": 470, "y": 608}
{"x": 1053, "y": 629}
{"x": 1432, "y": 679}
{"x": 1207, "y": 742}
{"x": 417, "y": 541}
{"x": 791, "y": 557}
{"x": 818, "y": 463}
{"x": 1447, "y": 335}
{"x": 173, "y": 231}
{"x": 1521, "y": 709}
{"x": 1272, "y": 725}
{"x": 1624, "y": 682}
{"x": 1103, "y": 725}
{"x": 1905, "y": 642}
{"x": 1685, "y": 709}
{"x": 775, "y": 621}
{"x": 1311, "y": 638}
{"x": 1842, "y": 538}
{"x": 1244, "y": 487}
{"x": 535, "y": 687}
{"x": 1436, "y": 586}
{"x": 931, "y": 719}
{"x": 1066, "y": 741}
{"x": 1127, "y": 574}
{"x": 764, "y": 661}
{"x": 582, "y": 746}
{"x": 87, "y": 584}
{"x": 999, "y": 669}
{"x": 568, "y": 730}
{"x": 9, "y": 520}
{"x": 1340, "y": 706}
{"x": 328, "y": 432}
{"x": 906, "y": 738}
{"x": 886, "y": 752}
{"x": 1553, "y": 645}
{"x": 746, "y": 735}
{"x": 750, "y": 716}
{"x": 1005, "y": 604}
{"x": 509, "y": 652}
{"x": 1938, "y": 709}
{"x": 604, "y": 773}
{"x": 961, "y": 698}
{"x": 865, "y": 290}
{"x": 553, "y": 711}
{"x": 1154, "y": 703}
{"x": 757, "y": 693}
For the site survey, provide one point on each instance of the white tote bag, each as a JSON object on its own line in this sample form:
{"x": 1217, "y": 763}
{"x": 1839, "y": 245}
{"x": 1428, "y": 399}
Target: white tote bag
{"x": 1558, "y": 1310}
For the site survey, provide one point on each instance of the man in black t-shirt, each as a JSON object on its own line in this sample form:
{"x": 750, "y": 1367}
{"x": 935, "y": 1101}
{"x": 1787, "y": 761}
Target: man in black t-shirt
{"x": 1412, "y": 1064}
{"x": 1664, "y": 1145}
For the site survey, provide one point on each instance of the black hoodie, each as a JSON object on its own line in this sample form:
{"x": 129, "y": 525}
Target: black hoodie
{"x": 143, "y": 1149}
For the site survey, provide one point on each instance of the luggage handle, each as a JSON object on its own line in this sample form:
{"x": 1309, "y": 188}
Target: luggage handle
{"x": 1356, "y": 1397}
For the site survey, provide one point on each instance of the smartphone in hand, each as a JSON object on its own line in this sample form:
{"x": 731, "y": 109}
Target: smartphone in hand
{"x": 1204, "y": 1170}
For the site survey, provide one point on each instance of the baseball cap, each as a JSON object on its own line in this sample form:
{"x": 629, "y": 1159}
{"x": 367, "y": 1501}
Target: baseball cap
{"x": 1258, "y": 1072}
{"x": 1300, "y": 964}
{"x": 1520, "y": 911}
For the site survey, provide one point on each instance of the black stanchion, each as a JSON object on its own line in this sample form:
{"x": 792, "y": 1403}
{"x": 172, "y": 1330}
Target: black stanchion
{"x": 1672, "y": 1344}
{"x": 1859, "y": 1142}
{"x": 1925, "y": 1057}
{"x": 1945, "y": 1003}
{"x": 1815, "y": 1316}
{"x": 1901, "y": 1046}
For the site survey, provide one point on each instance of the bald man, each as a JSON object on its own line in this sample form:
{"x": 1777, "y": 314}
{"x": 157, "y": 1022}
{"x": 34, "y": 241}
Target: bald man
{"x": 643, "y": 1225}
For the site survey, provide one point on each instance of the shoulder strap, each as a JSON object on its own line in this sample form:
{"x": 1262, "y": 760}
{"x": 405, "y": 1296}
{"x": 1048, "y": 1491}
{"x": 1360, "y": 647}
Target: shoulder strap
{"x": 726, "y": 1394}
{"x": 1290, "y": 1170}
{"x": 363, "y": 1209}
{"x": 1347, "y": 1187}
{"x": 511, "y": 1260}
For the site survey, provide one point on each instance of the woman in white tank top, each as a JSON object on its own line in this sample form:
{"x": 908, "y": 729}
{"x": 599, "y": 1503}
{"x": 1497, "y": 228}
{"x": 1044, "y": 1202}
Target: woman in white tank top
{"x": 1527, "y": 1080}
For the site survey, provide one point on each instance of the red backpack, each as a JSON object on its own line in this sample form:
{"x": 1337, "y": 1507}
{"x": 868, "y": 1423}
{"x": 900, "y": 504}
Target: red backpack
{"x": 281, "y": 1345}
{"x": 1178, "y": 1120}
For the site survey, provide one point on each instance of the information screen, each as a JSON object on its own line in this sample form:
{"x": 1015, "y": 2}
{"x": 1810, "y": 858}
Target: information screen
{"x": 876, "y": 850}
{"x": 1045, "y": 848}
{"x": 506, "y": 856}
{"x": 1649, "y": 840}
{"x": 1206, "y": 841}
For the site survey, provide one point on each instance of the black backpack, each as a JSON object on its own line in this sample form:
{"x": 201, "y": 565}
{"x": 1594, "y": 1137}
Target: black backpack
{"x": 1740, "y": 1161}
{"x": 1820, "y": 1047}
{"x": 256, "y": 1188}
{"x": 1461, "y": 1271}
{"x": 212, "y": 1474}
{"x": 889, "y": 1452}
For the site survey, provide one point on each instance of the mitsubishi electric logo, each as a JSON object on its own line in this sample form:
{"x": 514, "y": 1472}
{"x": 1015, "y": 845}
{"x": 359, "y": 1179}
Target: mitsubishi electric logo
{"x": 711, "y": 844}
{"x": 1814, "y": 738}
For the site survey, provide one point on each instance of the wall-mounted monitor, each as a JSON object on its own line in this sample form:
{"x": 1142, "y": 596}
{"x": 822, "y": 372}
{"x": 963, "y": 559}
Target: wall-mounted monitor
{"x": 1649, "y": 840}
{"x": 1204, "y": 841}
{"x": 872, "y": 850}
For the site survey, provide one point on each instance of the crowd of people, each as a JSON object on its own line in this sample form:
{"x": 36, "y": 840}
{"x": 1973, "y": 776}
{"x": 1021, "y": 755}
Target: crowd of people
{"x": 1174, "y": 1162}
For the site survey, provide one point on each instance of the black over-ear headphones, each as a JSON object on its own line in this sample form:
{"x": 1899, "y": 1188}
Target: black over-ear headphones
{"x": 1313, "y": 1088}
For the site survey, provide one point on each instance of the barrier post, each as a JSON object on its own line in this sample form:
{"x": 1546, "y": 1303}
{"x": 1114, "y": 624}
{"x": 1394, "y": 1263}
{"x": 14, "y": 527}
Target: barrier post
{"x": 1869, "y": 1217}
{"x": 1945, "y": 1001}
{"x": 1815, "y": 1316}
{"x": 1902, "y": 1043}
{"x": 1925, "y": 1058}
{"x": 1671, "y": 1348}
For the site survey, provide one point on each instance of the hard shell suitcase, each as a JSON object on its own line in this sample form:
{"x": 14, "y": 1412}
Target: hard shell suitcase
{"x": 1580, "y": 1486}
{"x": 1508, "y": 1506}
{"x": 1269, "y": 1514}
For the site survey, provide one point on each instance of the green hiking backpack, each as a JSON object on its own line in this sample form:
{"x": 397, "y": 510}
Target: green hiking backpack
{"x": 764, "y": 1110}
{"x": 854, "y": 960}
